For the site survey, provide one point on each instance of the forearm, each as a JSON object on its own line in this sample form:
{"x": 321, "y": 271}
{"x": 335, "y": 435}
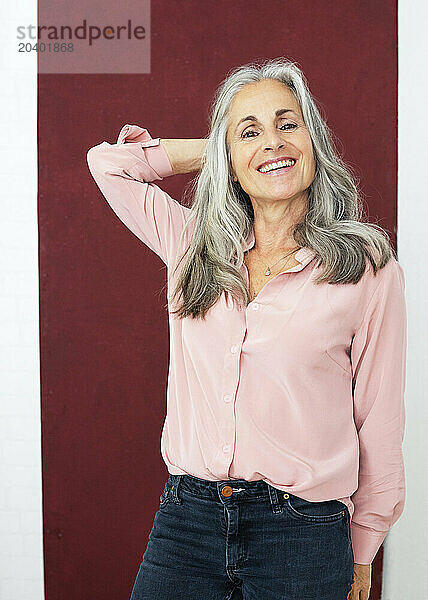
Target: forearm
{"x": 184, "y": 154}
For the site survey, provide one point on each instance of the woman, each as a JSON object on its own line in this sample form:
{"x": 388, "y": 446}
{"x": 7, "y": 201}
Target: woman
{"x": 285, "y": 404}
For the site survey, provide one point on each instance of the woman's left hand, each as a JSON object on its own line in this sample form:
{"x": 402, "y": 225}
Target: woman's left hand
{"x": 362, "y": 582}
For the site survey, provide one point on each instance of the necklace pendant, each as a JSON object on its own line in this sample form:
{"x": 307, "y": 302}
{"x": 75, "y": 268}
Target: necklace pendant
{"x": 267, "y": 272}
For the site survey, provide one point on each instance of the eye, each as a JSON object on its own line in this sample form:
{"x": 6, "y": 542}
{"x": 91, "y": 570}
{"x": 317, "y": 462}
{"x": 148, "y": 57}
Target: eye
{"x": 246, "y": 133}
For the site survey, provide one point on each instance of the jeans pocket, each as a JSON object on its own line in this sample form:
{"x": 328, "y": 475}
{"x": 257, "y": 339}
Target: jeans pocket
{"x": 165, "y": 496}
{"x": 315, "y": 512}
{"x": 348, "y": 526}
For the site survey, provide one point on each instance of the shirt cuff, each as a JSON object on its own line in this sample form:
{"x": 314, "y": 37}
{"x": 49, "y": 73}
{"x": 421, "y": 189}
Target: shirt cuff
{"x": 365, "y": 543}
{"x": 158, "y": 158}
{"x": 154, "y": 152}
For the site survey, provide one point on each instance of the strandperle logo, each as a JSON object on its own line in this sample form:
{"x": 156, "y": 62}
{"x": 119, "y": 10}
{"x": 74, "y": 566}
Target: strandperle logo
{"x": 90, "y": 33}
{"x": 77, "y": 36}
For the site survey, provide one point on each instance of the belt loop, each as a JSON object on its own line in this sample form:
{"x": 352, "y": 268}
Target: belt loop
{"x": 274, "y": 499}
{"x": 175, "y": 483}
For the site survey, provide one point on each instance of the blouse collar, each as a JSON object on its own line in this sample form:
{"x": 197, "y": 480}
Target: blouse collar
{"x": 303, "y": 256}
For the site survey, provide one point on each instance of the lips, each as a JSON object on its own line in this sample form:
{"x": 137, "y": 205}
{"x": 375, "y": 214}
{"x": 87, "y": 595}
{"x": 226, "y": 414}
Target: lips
{"x": 275, "y": 160}
{"x": 278, "y": 170}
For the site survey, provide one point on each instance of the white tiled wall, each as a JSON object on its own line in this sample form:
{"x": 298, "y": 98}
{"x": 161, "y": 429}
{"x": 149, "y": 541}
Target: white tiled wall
{"x": 21, "y": 552}
{"x": 406, "y": 558}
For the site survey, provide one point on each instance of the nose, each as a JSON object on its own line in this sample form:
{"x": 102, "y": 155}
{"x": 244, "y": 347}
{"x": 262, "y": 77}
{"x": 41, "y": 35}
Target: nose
{"x": 273, "y": 140}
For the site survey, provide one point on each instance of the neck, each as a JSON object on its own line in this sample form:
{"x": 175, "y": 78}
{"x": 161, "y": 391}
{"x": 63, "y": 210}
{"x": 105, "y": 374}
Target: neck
{"x": 274, "y": 225}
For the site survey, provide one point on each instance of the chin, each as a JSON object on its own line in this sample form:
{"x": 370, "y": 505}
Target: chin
{"x": 278, "y": 196}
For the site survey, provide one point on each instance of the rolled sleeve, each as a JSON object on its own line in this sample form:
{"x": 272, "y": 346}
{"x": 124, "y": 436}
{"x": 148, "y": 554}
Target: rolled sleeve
{"x": 125, "y": 172}
{"x": 146, "y": 149}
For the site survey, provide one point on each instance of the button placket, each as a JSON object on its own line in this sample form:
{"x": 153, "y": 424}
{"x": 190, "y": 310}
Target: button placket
{"x": 227, "y": 428}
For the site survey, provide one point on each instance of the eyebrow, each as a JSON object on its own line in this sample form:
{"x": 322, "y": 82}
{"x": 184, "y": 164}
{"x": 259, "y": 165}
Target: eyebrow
{"x": 278, "y": 113}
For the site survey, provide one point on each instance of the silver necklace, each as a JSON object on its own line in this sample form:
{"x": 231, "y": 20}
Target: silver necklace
{"x": 269, "y": 268}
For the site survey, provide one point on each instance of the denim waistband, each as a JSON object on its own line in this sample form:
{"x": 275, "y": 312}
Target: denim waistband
{"x": 225, "y": 489}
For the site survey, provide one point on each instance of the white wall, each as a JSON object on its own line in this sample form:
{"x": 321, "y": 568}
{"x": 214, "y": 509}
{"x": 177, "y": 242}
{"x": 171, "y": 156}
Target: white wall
{"x": 406, "y": 558}
{"x": 21, "y": 566}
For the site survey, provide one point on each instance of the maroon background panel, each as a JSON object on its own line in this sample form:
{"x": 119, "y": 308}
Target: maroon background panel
{"x": 103, "y": 325}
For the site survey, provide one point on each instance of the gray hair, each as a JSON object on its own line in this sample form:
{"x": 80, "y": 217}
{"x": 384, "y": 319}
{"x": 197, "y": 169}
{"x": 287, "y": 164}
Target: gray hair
{"x": 222, "y": 212}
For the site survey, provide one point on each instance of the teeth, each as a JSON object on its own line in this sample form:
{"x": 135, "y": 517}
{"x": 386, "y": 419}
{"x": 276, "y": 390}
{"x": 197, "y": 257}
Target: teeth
{"x": 277, "y": 165}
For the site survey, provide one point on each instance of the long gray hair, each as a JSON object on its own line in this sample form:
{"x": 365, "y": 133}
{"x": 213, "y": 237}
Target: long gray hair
{"x": 222, "y": 212}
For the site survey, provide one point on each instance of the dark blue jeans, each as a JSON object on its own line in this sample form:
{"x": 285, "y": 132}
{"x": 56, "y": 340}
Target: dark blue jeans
{"x": 238, "y": 539}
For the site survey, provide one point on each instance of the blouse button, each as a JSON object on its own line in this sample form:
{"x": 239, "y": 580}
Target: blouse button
{"x": 226, "y": 448}
{"x": 256, "y": 306}
{"x": 234, "y": 349}
{"x": 227, "y": 398}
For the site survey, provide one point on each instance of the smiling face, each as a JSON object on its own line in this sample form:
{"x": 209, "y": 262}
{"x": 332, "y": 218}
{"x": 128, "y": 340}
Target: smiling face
{"x": 266, "y": 126}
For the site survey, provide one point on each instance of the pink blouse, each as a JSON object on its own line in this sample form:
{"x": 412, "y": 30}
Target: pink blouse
{"x": 303, "y": 389}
